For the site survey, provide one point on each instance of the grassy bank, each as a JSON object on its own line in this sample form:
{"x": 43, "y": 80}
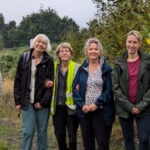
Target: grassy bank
{"x": 10, "y": 125}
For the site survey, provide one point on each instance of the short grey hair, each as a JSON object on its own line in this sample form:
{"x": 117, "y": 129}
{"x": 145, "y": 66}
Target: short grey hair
{"x": 45, "y": 38}
{"x": 64, "y": 45}
{"x": 90, "y": 41}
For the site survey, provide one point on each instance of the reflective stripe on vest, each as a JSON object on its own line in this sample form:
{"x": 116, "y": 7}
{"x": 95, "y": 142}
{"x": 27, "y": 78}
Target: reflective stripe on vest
{"x": 72, "y": 69}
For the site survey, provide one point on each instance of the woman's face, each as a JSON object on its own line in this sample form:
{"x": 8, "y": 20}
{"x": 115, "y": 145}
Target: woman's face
{"x": 93, "y": 52}
{"x": 40, "y": 45}
{"x": 64, "y": 54}
{"x": 132, "y": 44}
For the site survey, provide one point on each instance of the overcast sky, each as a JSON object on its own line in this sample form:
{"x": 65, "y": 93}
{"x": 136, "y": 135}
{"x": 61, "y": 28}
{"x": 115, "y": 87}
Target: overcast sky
{"x": 82, "y": 11}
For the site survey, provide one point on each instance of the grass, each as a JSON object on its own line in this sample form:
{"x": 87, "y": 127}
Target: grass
{"x": 11, "y": 125}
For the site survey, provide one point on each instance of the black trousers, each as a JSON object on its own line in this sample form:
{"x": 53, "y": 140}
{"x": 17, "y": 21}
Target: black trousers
{"x": 93, "y": 127}
{"x": 64, "y": 125}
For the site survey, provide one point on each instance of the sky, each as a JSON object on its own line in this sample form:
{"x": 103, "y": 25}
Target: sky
{"x": 81, "y": 11}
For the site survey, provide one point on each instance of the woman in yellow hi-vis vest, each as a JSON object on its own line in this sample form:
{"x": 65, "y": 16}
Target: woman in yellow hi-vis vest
{"x": 63, "y": 108}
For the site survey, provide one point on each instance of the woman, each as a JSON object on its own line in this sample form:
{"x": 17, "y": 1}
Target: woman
{"x": 131, "y": 85}
{"x": 92, "y": 93}
{"x": 63, "y": 108}
{"x": 31, "y": 98}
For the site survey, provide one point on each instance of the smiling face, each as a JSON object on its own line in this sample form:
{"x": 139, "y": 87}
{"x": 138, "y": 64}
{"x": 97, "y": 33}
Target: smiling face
{"x": 93, "y": 52}
{"x": 64, "y": 54}
{"x": 132, "y": 44}
{"x": 40, "y": 45}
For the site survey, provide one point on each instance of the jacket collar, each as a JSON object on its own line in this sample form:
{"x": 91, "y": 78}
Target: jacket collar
{"x": 45, "y": 57}
{"x": 102, "y": 60}
{"x": 123, "y": 58}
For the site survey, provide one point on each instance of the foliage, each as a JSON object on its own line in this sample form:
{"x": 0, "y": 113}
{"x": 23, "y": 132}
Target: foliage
{"x": 77, "y": 42}
{"x": 45, "y": 21}
{"x": 1, "y": 41}
{"x": 9, "y": 59}
{"x": 116, "y": 19}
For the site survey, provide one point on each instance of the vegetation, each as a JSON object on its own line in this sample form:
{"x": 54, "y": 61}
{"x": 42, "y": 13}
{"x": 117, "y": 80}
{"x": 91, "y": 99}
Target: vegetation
{"x": 45, "y": 21}
{"x": 11, "y": 125}
{"x": 114, "y": 19}
{"x": 9, "y": 59}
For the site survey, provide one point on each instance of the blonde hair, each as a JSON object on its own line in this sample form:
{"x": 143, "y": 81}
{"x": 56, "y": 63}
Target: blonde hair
{"x": 64, "y": 45}
{"x": 137, "y": 34}
{"x": 43, "y": 37}
{"x": 93, "y": 40}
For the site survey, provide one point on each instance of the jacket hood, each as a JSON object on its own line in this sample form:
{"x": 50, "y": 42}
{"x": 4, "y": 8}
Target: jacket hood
{"x": 102, "y": 60}
{"x": 45, "y": 56}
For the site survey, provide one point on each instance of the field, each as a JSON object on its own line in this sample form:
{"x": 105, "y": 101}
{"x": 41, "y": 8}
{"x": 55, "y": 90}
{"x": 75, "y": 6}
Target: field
{"x": 10, "y": 125}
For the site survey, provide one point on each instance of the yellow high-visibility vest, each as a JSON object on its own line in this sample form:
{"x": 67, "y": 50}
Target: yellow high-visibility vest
{"x": 72, "y": 69}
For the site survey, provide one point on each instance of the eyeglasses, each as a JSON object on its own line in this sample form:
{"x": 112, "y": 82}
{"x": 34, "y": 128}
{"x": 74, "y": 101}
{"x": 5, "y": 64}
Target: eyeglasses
{"x": 66, "y": 51}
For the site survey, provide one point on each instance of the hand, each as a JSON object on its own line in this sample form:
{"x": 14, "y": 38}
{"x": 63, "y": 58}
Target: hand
{"x": 92, "y": 107}
{"x": 135, "y": 111}
{"x": 49, "y": 83}
{"x": 85, "y": 108}
{"x": 18, "y": 108}
{"x": 37, "y": 106}
{"x": 77, "y": 87}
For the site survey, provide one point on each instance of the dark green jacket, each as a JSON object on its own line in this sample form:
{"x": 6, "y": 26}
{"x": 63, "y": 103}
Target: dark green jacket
{"x": 120, "y": 86}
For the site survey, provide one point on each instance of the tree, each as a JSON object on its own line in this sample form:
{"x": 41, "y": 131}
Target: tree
{"x": 4, "y": 29}
{"x": 116, "y": 18}
{"x": 1, "y": 41}
{"x": 2, "y": 23}
{"x": 1, "y": 30}
{"x": 45, "y": 21}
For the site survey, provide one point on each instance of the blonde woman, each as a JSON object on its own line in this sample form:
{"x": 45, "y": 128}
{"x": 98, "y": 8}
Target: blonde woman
{"x": 92, "y": 93}
{"x": 131, "y": 85}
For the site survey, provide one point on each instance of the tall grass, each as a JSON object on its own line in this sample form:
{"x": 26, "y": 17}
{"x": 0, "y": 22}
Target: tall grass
{"x": 11, "y": 125}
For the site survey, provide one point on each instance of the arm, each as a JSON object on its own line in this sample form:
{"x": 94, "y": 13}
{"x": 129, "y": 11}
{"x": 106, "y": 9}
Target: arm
{"x": 106, "y": 96}
{"x": 120, "y": 97}
{"x": 48, "y": 90}
{"x": 76, "y": 91}
{"x": 145, "y": 102}
{"x": 17, "y": 84}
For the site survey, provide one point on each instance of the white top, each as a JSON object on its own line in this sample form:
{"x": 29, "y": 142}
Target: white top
{"x": 32, "y": 84}
{"x": 94, "y": 86}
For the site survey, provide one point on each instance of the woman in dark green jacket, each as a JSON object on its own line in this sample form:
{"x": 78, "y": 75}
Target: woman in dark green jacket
{"x": 131, "y": 86}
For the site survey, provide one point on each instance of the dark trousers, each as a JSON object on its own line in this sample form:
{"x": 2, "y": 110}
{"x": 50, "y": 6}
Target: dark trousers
{"x": 65, "y": 123}
{"x": 143, "y": 128}
{"x": 93, "y": 127}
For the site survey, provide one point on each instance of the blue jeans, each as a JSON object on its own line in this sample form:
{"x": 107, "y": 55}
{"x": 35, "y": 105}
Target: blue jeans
{"x": 143, "y": 129}
{"x": 33, "y": 119}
